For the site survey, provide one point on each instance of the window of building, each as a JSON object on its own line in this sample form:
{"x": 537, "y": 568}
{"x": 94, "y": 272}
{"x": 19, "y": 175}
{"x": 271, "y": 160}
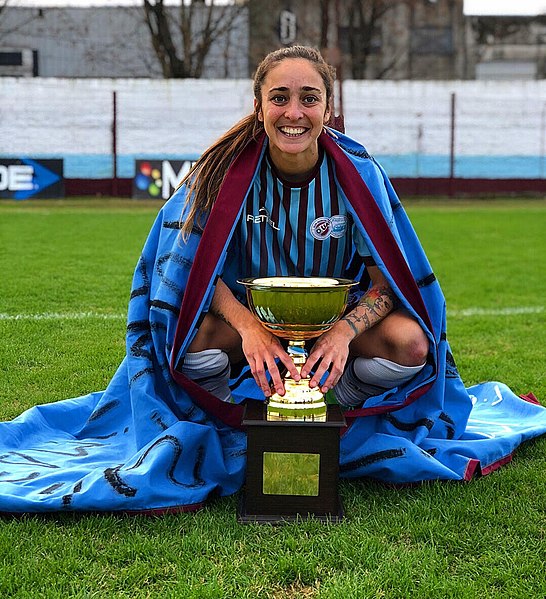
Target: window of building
{"x": 11, "y": 59}
{"x": 432, "y": 40}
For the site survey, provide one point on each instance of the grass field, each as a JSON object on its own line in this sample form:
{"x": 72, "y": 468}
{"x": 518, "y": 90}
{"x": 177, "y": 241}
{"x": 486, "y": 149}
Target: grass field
{"x": 66, "y": 269}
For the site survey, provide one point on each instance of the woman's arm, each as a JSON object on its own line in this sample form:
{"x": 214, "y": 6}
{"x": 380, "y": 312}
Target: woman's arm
{"x": 331, "y": 350}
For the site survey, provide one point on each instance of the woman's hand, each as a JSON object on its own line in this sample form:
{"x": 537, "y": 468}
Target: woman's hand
{"x": 330, "y": 352}
{"x": 261, "y": 348}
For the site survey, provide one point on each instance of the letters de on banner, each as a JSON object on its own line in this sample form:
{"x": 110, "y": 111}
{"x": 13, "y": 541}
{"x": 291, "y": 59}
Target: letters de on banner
{"x": 24, "y": 178}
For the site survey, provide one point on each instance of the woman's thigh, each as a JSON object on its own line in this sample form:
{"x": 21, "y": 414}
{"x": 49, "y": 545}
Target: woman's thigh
{"x": 214, "y": 333}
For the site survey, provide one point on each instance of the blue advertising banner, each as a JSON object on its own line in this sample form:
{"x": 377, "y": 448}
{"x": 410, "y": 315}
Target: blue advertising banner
{"x": 24, "y": 178}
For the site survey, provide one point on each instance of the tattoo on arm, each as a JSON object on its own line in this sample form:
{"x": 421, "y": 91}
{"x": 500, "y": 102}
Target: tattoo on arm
{"x": 373, "y": 307}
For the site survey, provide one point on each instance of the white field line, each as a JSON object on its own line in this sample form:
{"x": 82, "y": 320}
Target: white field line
{"x": 496, "y": 311}
{"x": 63, "y": 316}
{"x": 468, "y": 312}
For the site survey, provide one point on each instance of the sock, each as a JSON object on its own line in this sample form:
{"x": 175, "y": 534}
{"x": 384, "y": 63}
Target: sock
{"x": 209, "y": 368}
{"x": 365, "y": 377}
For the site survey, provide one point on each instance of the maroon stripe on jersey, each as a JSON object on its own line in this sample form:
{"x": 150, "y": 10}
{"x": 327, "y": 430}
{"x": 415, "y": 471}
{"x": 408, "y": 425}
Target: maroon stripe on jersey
{"x": 276, "y": 248}
{"x": 263, "y": 224}
{"x": 317, "y": 247}
{"x": 334, "y": 202}
{"x": 249, "y": 231}
{"x": 287, "y": 237}
{"x": 302, "y": 228}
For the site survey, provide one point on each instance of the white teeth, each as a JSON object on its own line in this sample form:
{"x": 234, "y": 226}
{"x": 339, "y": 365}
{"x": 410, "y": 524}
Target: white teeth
{"x": 292, "y": 130}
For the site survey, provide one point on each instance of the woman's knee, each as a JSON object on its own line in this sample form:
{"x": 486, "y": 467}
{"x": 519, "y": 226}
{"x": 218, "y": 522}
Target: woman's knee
{"x": 408, "y": 343}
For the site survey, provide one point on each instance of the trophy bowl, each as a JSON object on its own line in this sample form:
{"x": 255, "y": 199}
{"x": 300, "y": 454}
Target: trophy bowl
{"x": 297, "y": 309}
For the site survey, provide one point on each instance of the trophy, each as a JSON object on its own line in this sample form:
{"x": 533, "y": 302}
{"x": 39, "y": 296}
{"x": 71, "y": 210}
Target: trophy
{"x": 297, "y": 309}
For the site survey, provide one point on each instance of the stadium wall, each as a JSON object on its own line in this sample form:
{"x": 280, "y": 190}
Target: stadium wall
{"x": 447, "y": 137}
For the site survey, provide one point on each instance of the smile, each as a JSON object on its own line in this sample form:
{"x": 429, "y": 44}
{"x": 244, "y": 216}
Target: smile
{"x": 292, "y": 131}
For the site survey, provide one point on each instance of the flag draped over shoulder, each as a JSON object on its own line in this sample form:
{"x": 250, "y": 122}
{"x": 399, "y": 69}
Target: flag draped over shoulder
{"x": 155, "y": 441}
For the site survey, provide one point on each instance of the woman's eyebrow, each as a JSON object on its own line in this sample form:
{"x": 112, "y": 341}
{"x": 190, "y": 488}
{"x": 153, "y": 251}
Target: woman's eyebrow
{"x": 305, "y": 88}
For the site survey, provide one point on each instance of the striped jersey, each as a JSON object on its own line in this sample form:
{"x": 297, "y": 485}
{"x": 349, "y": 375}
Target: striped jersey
{"x": 289, "y": 229}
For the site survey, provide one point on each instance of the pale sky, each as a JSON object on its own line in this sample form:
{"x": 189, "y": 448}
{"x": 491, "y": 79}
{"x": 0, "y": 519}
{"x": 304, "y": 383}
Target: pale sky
{"x": 491, "y": 7}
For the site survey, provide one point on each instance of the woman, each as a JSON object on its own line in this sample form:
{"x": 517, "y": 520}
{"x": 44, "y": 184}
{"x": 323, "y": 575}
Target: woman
{"x": 386, "y": 347}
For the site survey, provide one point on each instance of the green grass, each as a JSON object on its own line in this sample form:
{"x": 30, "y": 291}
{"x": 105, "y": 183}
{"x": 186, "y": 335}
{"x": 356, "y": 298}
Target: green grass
{"x": 72, "y": 260}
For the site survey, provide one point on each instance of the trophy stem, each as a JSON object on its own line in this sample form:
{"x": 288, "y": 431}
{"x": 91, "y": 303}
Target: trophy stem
{"x": 299, "y": 402}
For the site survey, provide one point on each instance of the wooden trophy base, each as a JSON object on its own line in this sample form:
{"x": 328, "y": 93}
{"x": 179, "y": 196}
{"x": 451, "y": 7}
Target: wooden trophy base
{"x": 292, "y": 468}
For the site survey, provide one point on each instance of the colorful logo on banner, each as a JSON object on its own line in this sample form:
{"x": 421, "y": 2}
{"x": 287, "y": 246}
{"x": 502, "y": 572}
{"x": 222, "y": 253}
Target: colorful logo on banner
{"x": 158, "y": 178}
{"x": 23, "y": 178}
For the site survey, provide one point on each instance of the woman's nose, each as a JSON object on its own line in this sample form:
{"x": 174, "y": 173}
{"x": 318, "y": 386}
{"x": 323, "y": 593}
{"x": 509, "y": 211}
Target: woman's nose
{"x": 293, "y": 110}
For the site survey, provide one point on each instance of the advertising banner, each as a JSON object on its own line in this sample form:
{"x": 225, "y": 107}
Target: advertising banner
{"x": 157, "y": 179}
{"x": 24, "y": 178}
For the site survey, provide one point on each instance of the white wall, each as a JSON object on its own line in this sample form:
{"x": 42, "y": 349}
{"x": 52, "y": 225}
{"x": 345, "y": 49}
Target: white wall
{"x": 500, "y": 126}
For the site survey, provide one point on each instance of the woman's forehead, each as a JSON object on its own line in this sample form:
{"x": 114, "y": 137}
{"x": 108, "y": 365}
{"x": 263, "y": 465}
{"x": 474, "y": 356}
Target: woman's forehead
{"x": 294, "y": 73}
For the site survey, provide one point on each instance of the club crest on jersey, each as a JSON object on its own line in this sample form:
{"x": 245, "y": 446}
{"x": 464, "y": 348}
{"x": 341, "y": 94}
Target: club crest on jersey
{"x": 324, "y": 227}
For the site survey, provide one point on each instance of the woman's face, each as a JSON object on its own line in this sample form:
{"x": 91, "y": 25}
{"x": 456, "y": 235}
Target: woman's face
{"x": 293, "y": 111}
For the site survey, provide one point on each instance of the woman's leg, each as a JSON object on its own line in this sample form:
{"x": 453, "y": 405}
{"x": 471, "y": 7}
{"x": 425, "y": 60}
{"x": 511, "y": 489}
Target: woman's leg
{"x": 388, "y": 355}
{"x": 207, "y": 361}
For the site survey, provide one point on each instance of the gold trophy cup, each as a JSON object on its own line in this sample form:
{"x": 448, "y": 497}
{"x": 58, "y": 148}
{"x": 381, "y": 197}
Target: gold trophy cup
{"x": 297, "y": 309}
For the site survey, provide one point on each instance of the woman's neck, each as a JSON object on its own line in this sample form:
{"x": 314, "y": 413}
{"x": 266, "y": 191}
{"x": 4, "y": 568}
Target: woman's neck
{"x": 295, "y": 168}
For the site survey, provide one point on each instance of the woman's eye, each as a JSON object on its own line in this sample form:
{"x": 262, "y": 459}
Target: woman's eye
{"x": 278, "y": 99}
{"x": 310, "y": 100}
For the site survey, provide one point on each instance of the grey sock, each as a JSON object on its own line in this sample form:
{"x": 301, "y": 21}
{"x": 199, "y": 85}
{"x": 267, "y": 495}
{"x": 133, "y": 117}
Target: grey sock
{"x": 366, "y": 377}
{"x": 209, "y": 368}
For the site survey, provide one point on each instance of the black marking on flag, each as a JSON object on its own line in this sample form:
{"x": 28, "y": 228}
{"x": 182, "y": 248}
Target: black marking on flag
{"x": 138, "y": 325}
{"x": 49, "y": 490}
{"x": 451, "y": 368}
{"x": 450, "y": 425}
{"x": 31, "y": 476}
{"x": 157, "y": 419}
{"x": 145, "y": 287}
{"x": 103, "y": 410}
{"x": 140, "y": 374}
{"x": 409, "y": 426}
{"x": 373, "y": 458}
{"x": 428, "y": 280}
{"x": 161, "y": 305}
{"x": 28, "y": 458}
{"x": 139, "y": 349}
{"x": 117, "y": 483}
{"x": 172, "y": 224}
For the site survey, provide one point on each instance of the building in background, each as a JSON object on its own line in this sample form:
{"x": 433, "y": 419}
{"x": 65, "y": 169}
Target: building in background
{"x": 107, "y": 42}
{"x": 368, "y": 39}
{"x": 507, "y": 47}
{"x": 364, "y": 39}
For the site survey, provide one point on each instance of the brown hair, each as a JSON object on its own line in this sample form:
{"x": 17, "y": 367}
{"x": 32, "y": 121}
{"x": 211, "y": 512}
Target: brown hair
{"x": 207, "y": 175}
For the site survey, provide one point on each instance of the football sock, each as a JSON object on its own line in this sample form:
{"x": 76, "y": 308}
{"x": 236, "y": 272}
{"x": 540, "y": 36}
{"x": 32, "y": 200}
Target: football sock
{"x": 209, "y": 368}
{"x": 365, "y": 377}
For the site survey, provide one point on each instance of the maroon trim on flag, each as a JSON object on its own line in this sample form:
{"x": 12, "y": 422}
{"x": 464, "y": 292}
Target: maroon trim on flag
{"x": 377, "y": 228}
{"x": 351, "y": 415}
{"x": 496, "y": 465}
{"x": 531, "y": 398}
{"x": 471, "y": 468}
{"x": 219, "y": 224}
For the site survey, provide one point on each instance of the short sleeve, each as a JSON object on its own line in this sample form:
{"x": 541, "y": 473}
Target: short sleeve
{"x": 360, "y": 243}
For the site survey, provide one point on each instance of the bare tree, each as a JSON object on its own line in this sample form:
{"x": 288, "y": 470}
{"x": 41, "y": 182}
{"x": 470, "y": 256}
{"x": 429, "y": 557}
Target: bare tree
{"x": 363, "y": 33}
{"x": 183, "y": 35}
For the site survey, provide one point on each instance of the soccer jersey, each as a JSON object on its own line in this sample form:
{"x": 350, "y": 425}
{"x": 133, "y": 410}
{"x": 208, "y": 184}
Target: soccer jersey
{"x": 289, "y": 229}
